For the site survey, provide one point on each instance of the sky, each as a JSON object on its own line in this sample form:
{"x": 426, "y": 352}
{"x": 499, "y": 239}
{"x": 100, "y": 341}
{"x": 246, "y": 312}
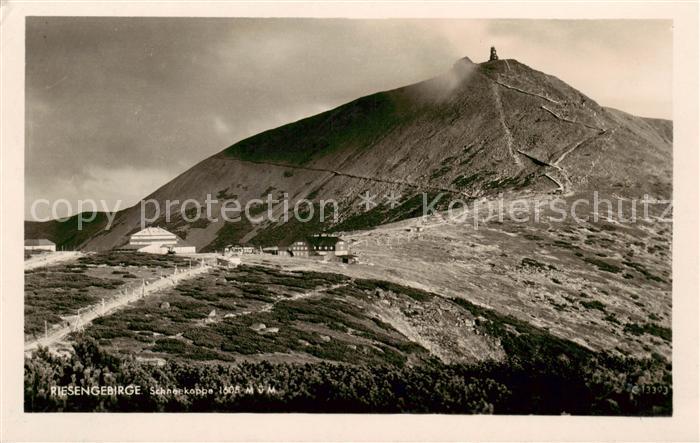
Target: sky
{"x": 117, "y": 107}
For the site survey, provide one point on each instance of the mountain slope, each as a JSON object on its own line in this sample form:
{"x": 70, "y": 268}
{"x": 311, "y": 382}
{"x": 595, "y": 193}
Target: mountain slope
{"x": 477, "y": 130}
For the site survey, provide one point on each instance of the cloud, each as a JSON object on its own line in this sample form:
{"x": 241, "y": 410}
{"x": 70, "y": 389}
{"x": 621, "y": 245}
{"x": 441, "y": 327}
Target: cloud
{"x": 221, "y": 127}
{"x": 108, "y": 188}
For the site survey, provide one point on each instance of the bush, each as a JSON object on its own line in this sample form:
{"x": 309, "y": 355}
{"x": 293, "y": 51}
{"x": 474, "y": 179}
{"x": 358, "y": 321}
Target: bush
{"x": 331, "y": 388}
{"x": 593, "y": 304}
{"x": 649, "y": 328}
{"x": 603, "y": 265}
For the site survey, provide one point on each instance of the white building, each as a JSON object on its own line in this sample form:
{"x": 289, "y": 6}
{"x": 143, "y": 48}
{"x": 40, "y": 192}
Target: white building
{"x": 181, "y": 247}
{"x": 39, "y": 244}
{"x": 156, "y": 240}
{"x": 152, "y": 236}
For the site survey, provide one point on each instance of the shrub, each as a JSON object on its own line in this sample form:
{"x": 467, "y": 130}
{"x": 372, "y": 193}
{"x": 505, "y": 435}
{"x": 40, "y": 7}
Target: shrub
{"x": 649, "y": 328}
{"x": 603, "y": 265}
{"x": 594, "y": 304}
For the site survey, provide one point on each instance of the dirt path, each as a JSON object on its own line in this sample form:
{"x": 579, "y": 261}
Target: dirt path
{"x": 361, "y": 177}
{"x": 268, "y": 307}
{"x": 568, "y": 120}
{"x": 522, "y": 91}
{"x": 121, "y": 299}
{"x": 579, "y": 144}
{"x": 563, "y": 188}
{"x": 502, "y": 120}
{"x": 51, "y": 259}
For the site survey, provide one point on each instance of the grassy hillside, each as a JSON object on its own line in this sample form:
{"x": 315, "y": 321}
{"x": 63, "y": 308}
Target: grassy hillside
{"x": 356, "y": 124}
{"x": 328, "y": 352}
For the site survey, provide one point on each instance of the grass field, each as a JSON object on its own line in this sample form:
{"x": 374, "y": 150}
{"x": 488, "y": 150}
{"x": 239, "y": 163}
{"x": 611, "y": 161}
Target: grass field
{"x": 220, "y": 316}
{"x": 330, "y": 343}
{"x": 55, "y": 292}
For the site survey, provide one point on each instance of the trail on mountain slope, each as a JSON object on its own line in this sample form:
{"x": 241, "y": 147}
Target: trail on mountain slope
{"x": 579, "y": 144}
{"x": 534, "y": 94}
{"x": 269, "y": 306}
{"x": 566, "y": 187}
{"x": 568, "y": 120}
{"x": 563, "y": 182}
{"x": 501, "y": 118}
{"x": 359, "y": 177}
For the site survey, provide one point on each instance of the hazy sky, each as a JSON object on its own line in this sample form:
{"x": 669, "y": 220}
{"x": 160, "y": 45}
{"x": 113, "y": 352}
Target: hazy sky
{"x": 116, "y": 107}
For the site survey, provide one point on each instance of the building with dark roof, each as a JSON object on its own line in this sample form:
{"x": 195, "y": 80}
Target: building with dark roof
{"x": 319, "y": 245}
{"x": 322, "y": 245}
{"x": 301, "y": 248}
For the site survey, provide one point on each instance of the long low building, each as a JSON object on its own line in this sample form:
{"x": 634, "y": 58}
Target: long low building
{"x": 153, "y": 235}
{"x": 154, "y": 240}
{"x": 39, "y": 244}
{"x": 319, "y": 245}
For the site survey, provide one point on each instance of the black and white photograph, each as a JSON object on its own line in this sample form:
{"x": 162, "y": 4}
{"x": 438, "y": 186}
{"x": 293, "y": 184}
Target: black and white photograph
{"x": 452, "y": 216}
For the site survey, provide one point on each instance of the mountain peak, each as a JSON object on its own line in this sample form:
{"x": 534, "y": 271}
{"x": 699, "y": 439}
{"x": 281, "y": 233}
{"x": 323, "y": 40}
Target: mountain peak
{"x": 478, "y": 129}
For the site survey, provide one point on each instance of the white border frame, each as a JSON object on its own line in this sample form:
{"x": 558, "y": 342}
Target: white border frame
{"x": 683, "y": 426}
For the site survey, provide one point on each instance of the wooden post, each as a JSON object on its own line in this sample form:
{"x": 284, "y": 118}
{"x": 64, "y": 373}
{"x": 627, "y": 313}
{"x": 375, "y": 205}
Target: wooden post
{"x": 103, "y": 306}
{"x": 46, "y": 330}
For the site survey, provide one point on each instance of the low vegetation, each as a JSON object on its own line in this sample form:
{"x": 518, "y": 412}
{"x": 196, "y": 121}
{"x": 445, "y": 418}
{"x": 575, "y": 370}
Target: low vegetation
{"x": 603, "y": 265}
{"x": 353, "y": 125}
{"x": 649, "y": 328}
{"x": 60, "y": 291}
{"x": 330, "y": 328}
{"x": 527, "y": 388}
{"x": 360, "y": 363}
{"x": 116, "y": 258}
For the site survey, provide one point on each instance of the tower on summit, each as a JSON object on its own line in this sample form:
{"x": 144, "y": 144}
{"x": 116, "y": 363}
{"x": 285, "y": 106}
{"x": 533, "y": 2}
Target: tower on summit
{"x": 493, "y": 56}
